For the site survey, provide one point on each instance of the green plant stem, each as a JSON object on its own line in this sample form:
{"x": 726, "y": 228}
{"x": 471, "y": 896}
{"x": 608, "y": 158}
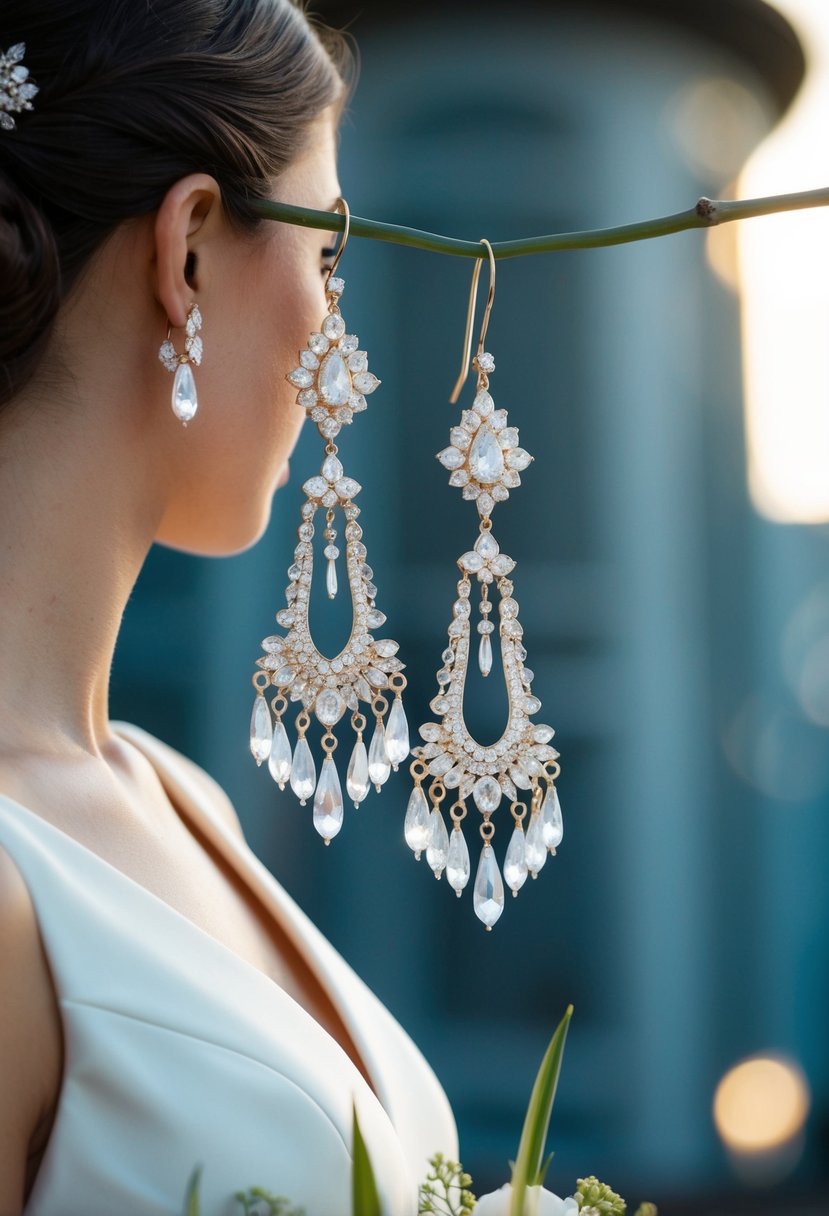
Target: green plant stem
{"x": 707, "y": 213}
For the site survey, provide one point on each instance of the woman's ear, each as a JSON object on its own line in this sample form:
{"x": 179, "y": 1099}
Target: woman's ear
{"x": 189, "y": 216}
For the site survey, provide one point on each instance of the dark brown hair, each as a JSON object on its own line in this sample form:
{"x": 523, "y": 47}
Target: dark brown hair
{"x": 135, "y": 94}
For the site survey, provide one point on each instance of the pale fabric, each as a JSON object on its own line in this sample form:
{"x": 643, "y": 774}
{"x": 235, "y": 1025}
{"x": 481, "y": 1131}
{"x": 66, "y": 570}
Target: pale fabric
{"x": 179, "y": 1051}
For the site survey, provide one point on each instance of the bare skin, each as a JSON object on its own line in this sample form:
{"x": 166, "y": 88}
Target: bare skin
{"x": 94, "y": 467}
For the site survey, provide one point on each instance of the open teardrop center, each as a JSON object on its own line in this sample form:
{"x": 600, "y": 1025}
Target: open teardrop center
{"x": 330, "y": 620}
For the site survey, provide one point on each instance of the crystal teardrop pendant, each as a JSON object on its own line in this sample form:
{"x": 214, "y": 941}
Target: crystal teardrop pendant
{"x": 515, "y": 862}
{"x": 331, "y": 578}
{"x": 397, "y": 734}
{"x": 303, "y": 771}
{"x": 260, "y": 730}
{"x": 378, "y": 760}
{"x": 535, "y": 850}
{"x": 437, "y": 850}
{"x": 488, "y": 892}
{"x": 185, "y": 400}
{"x": 328, "y": 801}
{"x": 356, "y": 779}
{"x": 457, "y": 862}
{"x": 552, "y": 824}
{"x": 279, "y": 761}
{"x": 485, "y": 655}
{"x": 417, "y": 825}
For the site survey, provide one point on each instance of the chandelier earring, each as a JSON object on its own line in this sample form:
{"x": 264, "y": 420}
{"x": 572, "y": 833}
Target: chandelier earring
{"x": 333, "y": 382}
{"x": 184, "y": 398}
{"x": 484, "y": 461}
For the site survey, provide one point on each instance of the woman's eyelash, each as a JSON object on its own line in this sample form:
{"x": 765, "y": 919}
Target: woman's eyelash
{"x": 327, "y": 258}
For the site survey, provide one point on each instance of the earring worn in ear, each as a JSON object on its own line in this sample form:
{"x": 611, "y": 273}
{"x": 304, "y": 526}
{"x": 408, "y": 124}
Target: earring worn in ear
{"x": 484, "y": 462}
{"x": 184, "y": 400}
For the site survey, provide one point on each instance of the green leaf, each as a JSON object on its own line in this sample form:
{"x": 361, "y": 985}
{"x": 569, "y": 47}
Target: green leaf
{"x": 191, "y": 1195}
{"x": 544, "y": 1167}
{"x": 364, "y": 1198}
{"x": 529, "y": 1163}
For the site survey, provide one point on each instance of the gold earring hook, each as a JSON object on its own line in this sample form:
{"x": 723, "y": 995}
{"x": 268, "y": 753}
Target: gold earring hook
{"x": 342, "y": 205}
{"x": 470, "y": 317}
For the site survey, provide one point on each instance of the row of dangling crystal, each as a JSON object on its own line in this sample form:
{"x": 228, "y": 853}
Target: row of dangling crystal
{"x": 388, "y": 748}
{"x": 525, "y": 855}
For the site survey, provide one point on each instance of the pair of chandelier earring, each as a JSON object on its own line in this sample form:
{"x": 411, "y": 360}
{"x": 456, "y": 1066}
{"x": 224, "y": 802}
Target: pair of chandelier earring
{"x": 484, "y": 460}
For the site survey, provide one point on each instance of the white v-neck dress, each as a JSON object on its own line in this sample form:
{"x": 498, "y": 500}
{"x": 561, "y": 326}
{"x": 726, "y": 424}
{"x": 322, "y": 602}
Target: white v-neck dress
{"x": 179, "y": 1052}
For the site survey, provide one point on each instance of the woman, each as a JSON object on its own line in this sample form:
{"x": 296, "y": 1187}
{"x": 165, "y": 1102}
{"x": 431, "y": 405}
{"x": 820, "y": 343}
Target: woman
{"x": 163, "y": 1002}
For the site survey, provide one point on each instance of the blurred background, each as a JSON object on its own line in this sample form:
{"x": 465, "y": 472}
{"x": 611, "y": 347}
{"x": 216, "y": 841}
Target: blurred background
{"x": 673, "y": 577}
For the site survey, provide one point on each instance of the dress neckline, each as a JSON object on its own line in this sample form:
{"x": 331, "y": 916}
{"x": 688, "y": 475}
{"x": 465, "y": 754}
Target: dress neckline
{"x": 188, "y": 803}
{"x": 191, "y": 810}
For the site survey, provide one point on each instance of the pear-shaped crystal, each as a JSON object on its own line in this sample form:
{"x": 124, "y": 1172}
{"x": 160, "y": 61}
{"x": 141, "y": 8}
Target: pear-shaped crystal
{"x": 328, "y": 801}
{"x": 279, "y": 761}
{"x": 552, "y": 825}
{"x": 535, "y": 849}
{"x": 334, "y": 380}
{"x": 332, "y": 469}
{"x": 458, "y": 867}
{"x": 515, "y": 862}
{"x": 437, "y": 849}
{"x": 487, "y": 546}
{"x": 417, "y": 826}
{"x": 488, "y": 892}
{"x": 303, "y": 771}
{"x": 518, "y": 459}
{"x": 356, "y": 779}
{"x": 397, "y": 733}
{"x": 260, "y": 729}
{"x": 485, "y": 655}
{"x": 378, "y": 759}
{"x": 486, "y": 460}
{"x": 331, "y": 578}
{"x": 185, "y": 400}
{"x": 451, "y": 458}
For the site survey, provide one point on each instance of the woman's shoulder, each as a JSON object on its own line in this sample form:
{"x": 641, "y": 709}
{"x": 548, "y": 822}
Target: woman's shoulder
{"x": 208, "y": 785}
{"x": 31, "y": 1049}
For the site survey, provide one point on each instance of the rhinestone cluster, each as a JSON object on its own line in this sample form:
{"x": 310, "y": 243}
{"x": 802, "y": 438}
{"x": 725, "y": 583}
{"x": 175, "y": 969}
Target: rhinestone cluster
{"x": 16, "y": 89}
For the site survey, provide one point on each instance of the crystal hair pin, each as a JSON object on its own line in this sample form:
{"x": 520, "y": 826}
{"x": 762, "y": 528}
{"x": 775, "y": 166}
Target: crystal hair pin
{"x": 16, "y": 90}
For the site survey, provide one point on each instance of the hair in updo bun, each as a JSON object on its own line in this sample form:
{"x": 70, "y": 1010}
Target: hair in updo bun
{"x": 29, "y": 286}
{"x": 132, "y": 97}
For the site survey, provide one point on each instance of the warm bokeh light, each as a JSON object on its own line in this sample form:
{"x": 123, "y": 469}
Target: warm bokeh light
{"x": 761, "y": 1105}
{"x": 786, "y": 297}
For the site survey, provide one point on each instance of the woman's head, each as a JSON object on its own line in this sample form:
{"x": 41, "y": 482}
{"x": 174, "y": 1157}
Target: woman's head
{"x": 134, "y": 96}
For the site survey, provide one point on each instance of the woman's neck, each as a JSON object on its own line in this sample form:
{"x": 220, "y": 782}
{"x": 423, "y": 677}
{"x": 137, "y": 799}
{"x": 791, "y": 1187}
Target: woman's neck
{"x": 76, "y": 528}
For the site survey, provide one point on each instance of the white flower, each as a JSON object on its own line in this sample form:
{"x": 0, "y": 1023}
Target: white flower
{"x": 539, "y": 1202}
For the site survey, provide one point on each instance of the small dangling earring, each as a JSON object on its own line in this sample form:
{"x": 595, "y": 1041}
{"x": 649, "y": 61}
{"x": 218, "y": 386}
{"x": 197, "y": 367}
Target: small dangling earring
{"x": 184, "y": 399}
{"x": 484, "y": 461}
{"x": 333, "y": 382}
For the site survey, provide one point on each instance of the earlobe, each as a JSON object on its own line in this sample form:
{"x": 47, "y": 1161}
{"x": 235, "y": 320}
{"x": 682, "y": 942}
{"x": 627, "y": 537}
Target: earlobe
{"x": 182, "y": 221}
